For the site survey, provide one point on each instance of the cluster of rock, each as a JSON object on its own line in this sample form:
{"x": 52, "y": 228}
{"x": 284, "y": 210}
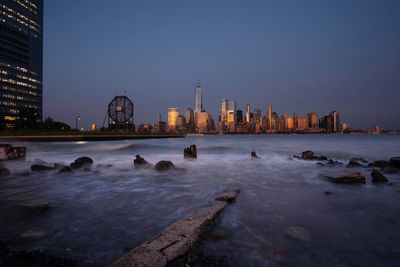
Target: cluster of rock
{"x": 79, "y": 163}
{"x": 178, "y": 238}
{"x": 391, "y": 166}
{"x": 162, "y": 165}
{"x": 309, "y": 155}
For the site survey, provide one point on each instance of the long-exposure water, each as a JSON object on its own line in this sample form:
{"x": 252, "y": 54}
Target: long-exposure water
{"x": 99, "y": 214}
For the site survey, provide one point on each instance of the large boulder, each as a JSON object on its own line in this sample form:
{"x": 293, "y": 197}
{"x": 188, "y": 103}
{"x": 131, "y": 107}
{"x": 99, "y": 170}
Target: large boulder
{"x": 353, "y": 163}
{"x": 190, "y": 152}
{"x": 40, "y": 167}
{"x": 395, "y": 162}
{"x": 352, "y": 178}
{"x": 80, "y": 162}
{"x": 378, "y": 177}
{"x": 254, "y": 154}
{"x": 164, "y": 165}
{"x": 308, "y": 155}
{"x": 139, "y": 161}
{"x": 379, "y": 164}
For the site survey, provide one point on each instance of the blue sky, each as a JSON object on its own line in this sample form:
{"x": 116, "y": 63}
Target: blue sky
{"x": 298, "y": 56}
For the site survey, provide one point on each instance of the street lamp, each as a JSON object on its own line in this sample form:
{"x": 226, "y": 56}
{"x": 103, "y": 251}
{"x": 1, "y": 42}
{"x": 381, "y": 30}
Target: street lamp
{"x": 76, "y": 122}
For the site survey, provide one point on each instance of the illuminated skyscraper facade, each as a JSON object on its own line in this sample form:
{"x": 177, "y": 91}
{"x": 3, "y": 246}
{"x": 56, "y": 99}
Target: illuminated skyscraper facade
{"x": 224, "y": 110}
{"x": 21, "y": 57}
{"x": 173, "y": 114}
{"x": 248, "y": 113}
{"x": 198, "y": 99}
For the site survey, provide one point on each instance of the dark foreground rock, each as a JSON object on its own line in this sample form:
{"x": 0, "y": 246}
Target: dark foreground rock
{"x": 4, "y": 171}
{"x": 378, "y": 177}
{"x": 190, "y": 152}
{"x": 81, "y": 162}
{"x": 12, "y": 257}
{"x": 395, "y": 162}
{"x": 254, "y": 154}
{"x": 39, "y": 167}
{"x": 164, "y": 165}
{"x": 140, "y": 162}
{"x": 352, "y": 178}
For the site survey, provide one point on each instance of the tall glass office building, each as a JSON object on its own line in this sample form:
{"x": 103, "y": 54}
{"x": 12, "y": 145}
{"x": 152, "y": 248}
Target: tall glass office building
{"x": 21, "y": 56}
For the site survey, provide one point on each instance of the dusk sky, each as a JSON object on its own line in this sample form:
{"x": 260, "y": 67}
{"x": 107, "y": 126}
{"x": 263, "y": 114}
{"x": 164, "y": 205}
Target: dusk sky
{"x": 298, "y": 56}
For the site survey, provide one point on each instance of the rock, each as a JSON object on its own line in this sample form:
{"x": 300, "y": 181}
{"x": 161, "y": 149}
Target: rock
{"x": 58, "y": 165}
{"x": 327, "y": 193}
{"x": 35, "y": 205}
{"x": 164, "y": 165}
{"x": 395, "y": 162}
{"x": 360, "y": 160}
{"x": 320, "y": 164}
{"x": 298, "y": 233}
{"x": 80, "y": 162}
{"x": 4, "y": 171}
{"x": 391, "y": 170}
{"x": 139, "y": 161}
{"x": 352, "y": 178}
{"x": 229, "y": 195}
{"x": 39, "y": 161}
{"x": 254, "y": 154}
{"x": 39, "y": 167}
{"x": 31, "y": 235}
{"x": 65, "y": 169}
{"x": 353, "y": 163}
{"x": 378, "y": 177}
{"x": 307, "y": 155}
{"x": 323, "y": 158}
{"x": 379, "y": 164}
{"x": 334, "y": 162}
{"x": 190, "y": 152}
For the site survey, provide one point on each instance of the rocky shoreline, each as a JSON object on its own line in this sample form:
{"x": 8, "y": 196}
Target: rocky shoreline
{"x": 172, "y": 248}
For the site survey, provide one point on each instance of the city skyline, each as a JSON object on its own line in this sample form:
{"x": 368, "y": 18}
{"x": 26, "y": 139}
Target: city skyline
{"x": 300, "y": 58}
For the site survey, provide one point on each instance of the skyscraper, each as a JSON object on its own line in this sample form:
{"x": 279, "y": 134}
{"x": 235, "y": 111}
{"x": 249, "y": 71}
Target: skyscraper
{"x": 198, "y": 106}
{"x": 21, "y": 57}
{"x": 269, "y": 117}
{"x": 239, "y": 116}
{"x": 232, "y": 106}
{"x": 257, "y": 115}
{"x": 173, "y": 114}
{"x": 312, "y": 120}
{"x": 335, "y": 120}
{"x": 224, "y": 110}
{"x": 248, "y": 113}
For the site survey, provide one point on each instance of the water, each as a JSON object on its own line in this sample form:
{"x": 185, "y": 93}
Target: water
{"x": 100, "y": 214}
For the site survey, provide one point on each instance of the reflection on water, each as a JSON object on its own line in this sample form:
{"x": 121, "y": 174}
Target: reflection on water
{"x": 97, "y": 215}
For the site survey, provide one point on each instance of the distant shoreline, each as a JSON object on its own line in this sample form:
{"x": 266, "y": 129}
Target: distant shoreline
{"x": 77, "y": 138}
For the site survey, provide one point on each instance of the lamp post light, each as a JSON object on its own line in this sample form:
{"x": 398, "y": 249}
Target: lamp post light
{"x": 76, "y": 122}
